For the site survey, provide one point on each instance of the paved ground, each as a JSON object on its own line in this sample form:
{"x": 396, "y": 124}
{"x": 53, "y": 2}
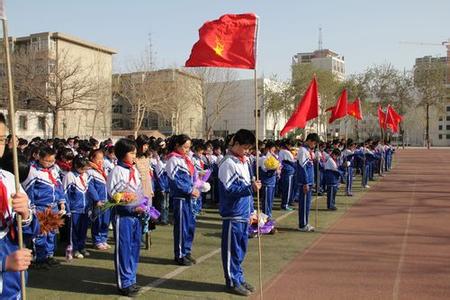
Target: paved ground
{"x": 393, "y": 244}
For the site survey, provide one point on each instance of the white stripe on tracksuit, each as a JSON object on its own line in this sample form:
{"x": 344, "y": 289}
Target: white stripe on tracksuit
{"x": 119, "y": 282}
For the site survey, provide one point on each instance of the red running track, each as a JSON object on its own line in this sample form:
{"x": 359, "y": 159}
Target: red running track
{"x": 393, "y": 244}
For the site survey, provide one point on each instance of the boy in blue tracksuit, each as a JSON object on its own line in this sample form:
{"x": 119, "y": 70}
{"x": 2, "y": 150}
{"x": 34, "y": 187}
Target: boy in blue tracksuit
{"x": 236, "y": 199}
{"x": 287, "y": 176}
{"x": 333, "y": 175}
{"x": 268, "y": 179}
{"x": 180, "y": 171}
{"x": 76, "y": 186}
{"x": 44, "y": 189}
{"x": 162, "y": 188}
{"x": 127, "y": 230}
{"x": 305, "y": 171}
{"x": 348, "y": 158}
{"x": 98, "y": 196}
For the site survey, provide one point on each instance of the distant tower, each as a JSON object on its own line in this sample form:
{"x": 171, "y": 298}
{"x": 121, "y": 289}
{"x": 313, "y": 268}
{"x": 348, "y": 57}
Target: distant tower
{"x": 151, "y": 55}
{"x": 320, "y": 39}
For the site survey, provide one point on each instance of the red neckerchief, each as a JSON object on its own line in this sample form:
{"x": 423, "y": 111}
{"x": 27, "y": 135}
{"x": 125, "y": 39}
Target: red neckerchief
{"x": 242, "y": 159}
{"x": 4, "y": 205}
{"x": 98, "y": 168}
{"x": 50, "y": 176}
{"x": 83, "y": 183}
{"x": 186, "y": 158}
{"x": 64, "y": 165}
{"x": 132, "y": 176}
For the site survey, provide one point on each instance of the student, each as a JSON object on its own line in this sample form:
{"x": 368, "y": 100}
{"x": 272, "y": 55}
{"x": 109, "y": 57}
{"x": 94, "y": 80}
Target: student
{"x": 127, "y": 230}
{"x": 287, "y": 176}
{"x": 99, "y": 196}
{"x": 110, "y": 160}
{"x": 349, "y": 161}
{"x": 162, "y": 186}
{"x": 44, "y": 189}
{"x": 76, "y": 185}
{"x": 198, "y": 161}
{"x": 13, "y": 260}
{"x": 236, "y": 199}
{"x": 333, "y": 174}
{"x": 180, "y": 171}
{"x": 305, "y": 171}
{"x": 268, "y": 177}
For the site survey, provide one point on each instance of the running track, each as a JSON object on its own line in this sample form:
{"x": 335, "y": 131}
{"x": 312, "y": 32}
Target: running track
{"x": 393, "y": 244}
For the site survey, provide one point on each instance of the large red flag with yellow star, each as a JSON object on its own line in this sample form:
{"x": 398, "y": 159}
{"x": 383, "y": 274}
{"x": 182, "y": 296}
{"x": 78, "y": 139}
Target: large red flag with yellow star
{"x": 229, "y": 42}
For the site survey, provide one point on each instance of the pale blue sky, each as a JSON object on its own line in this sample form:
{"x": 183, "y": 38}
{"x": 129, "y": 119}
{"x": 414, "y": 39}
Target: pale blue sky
{"x": 365, "y": 32}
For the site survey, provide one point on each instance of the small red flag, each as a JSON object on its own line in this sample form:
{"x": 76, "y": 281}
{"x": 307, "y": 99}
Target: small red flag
{"x": 381, "y": 117}
{"x": 229, "y": 42}
{"x": 395, "y": 115}
{"x": 354, "y": 109}
{"x": 307, "y": 109}
{"x": 391, "y": 120}
{"x": 340, "y": 109}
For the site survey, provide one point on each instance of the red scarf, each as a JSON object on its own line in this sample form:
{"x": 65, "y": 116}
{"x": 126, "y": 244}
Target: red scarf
{"x": 98, "y": 168}
{"x": 132, "y": 176}
{"x": 50, "y": 176}
{"x": 187, "y": 160}
{"x": 83, "y": 183}
{"x": 4, "y": 205}
{"x": 64, "y": 165}
{"x": 243, "y": 159}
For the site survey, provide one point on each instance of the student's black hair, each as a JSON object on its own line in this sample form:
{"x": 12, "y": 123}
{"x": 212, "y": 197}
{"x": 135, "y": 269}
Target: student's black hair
{"x": 123, "y": 146}
{"x": 141, "y": 140}
{"x": 244, "y": 137}
{"x": 270, "y": 144}
{"x": 93, "y": 153}
{"x": 313, "y": 137}
{"x": 109, "y": 149}
{"x": 80, "y": 162}
{"x": 22, "y": 142}
{"x": 2, "y": 118}
{"x": 198, "y": 145}
{"x": 46, "y": 151}
{"x": 336, "y": 152}
{"x": 65, "y": 154}
{"x": 6, "y": 163}
{"x": 177, "y": 140}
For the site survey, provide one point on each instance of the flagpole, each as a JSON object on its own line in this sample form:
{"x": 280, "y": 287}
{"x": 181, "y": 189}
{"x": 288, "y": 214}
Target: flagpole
{"x": 316, "y": 219}
{"x": 12, "y": 119}
{"x": 258, "y": 206}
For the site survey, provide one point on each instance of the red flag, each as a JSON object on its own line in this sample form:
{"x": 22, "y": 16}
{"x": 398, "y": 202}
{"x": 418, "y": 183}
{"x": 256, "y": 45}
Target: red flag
{"x": 307, "y": 109}
{"x": 391, "y": 121}
{"x": 395, "y": 115}
{"x": 340, "y": 109}
{"x": 354, "y": 109}
{"x": 381, "y": 117}
{"x": 229, "y": 42}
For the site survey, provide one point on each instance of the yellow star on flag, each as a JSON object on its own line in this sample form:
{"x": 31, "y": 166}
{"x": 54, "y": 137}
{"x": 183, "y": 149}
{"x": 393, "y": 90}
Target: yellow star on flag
{"x": 218, "y": 49}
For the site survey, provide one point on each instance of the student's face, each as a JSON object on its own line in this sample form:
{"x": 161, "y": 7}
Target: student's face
{"x": 111, "y": 155}
{"x": 241, "y": 150}
{"x": 130, "y": 157}
{"x": 311, "y": 144}
{"x": 184, "y": 149}
{"x": 2, "y": 138}
{"x": 83, "y": 170}
{"x": 272, "y": 150}
{"x": 144, "y": 148}
{"x": 98, "y": 159}
{"x": 47, "y": 161}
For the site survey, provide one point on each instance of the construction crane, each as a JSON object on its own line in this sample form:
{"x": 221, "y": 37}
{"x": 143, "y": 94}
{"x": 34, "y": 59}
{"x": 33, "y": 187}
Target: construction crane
{"x": 444, "y": 43}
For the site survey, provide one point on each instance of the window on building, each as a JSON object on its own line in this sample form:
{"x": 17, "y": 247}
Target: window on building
{"x": 447, "y": 127}
{"x": 41, "y": 123}
{"x": 23, "y": 122}
{"x": 448, "y": 108}
{"x": 440, "y": 118}
{"x": 440, "y": 136}
{"x": 117, "y": 123}
{"x": 440, "y": 127}
{"x": 129, "y": 109}
{"x": 117, "y": 109}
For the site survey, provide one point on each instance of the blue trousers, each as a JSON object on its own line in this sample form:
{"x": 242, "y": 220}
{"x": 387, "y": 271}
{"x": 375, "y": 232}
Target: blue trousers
{"x": 183, "y": 226}
{"x": 78, "y": 231}
{"x": 365, "y": 174}
{"x": 234, "y": 247}
{"x": 287, "y": 189}
{"x": 164, "y": 207}
{"x": 127, "y": 234}
{"x": 331, "y": 195}
{"x": 44, "y": 246}
{"x": 267, "y": 194}
{"x": 100, "y": 226}
{"x": 305, "y": 205}
{"x": 349, "y": 181}
{"x": 197, "y": 205}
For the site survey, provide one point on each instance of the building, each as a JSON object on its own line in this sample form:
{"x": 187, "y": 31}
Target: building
{"x": 239, "y": 109}
{"x": 325, "y": 59}
{"x": 64, "y": 77}
{"x": 168, "y": 100}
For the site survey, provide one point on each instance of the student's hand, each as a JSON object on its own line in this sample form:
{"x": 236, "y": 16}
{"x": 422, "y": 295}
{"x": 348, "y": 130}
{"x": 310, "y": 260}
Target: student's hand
{"x": 20, "y": 205}
{"x": 256, "y": 185}
{"x": 305, "y": 188}
{"x": 139, "y": 210}
{"x": 100, "y": 203}
{"x": 195, "y": 193}
{"x": 18, "y": 261}
{"x": 62, "y": 210}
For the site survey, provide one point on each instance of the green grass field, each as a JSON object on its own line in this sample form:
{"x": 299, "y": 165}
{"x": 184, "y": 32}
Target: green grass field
{"x": 93, "y": 278}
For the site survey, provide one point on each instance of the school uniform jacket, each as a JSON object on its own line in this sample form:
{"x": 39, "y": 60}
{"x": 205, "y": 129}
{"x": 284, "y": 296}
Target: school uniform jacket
{"x": 305, "y": 166}
{"x": 181, "y": 182}
{"x": 76, "y": 188}
{"x": 97, "y": 187}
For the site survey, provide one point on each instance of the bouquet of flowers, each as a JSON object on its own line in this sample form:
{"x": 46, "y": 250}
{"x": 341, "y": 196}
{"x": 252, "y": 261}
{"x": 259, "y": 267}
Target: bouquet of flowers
{"x": 133, "y": 200}
{"x": 49, "y": 220}
{"x": 202, "y": 183}
{"x": 271, "y": 163}
{"x": 266, "y": 226}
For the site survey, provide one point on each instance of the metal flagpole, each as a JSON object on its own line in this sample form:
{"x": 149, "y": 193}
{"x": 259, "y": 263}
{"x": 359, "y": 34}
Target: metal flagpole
{"x": 316, "y": 219}
{"x": 12, "y": 119}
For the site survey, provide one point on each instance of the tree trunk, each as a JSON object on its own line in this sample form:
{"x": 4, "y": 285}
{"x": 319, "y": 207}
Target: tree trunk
{"x": 55, "y": 123}
{"x": 427, "y": 134}
{"x": 93, "y": 121}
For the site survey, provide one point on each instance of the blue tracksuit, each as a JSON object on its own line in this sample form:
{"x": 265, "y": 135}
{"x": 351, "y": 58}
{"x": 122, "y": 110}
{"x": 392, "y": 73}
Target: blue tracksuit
{"x": 268, "y": 179}
{"x": 162, "y": 189}
{"x": 236, "y": 202}
{"x": 197, "y": 203}
{"x": 181, "y": 185}
{"x": 305, "y": 175}
{"x": 333, "y": 175}
{"x": 127, "y": 228}
{"x": 287, "y": 177}
{"x": 98, "y": 193}
{"x": 10, "y": 281}
{"x": 44, "y": 189}
{"x": 348, "y": 157}
{"x": 76, "y": 188}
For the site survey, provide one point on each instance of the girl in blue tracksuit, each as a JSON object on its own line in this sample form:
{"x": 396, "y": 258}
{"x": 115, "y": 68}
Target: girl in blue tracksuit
{"x": 44, "y": 189}
{"x": 305, "y": 169}
{"x": 268, "y": 179}
{"x": 333, "y": 175}
{"x": 127, "y": 230}
{"x": 287, "y": 176}
{"x": 197, "y": 160}
{"x": 99, "y": 195}
{"x": 349, "y": 162}
{"x": 76, "y": 186}
{"x": 236, "y": 202}
{"x": 162, "y": 187}
{"x": 181, "y": 171}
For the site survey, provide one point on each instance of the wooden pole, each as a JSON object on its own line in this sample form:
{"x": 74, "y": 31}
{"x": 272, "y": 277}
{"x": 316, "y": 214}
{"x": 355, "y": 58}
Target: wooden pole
{"x": 12, "y": 118}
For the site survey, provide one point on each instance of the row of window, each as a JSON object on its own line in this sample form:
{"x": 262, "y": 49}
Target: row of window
{"x": 447, "y": 136}
{"x": 23, "y": 122}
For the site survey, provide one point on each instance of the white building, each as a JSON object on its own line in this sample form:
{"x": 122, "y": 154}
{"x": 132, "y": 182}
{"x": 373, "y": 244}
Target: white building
{"x": 31, "y": 123}
{"x": 325, "y": 59}
{"x": 241, "y": 111}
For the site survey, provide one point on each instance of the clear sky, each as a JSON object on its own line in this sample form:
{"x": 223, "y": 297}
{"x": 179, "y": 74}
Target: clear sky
{"x": 365, "y": 32}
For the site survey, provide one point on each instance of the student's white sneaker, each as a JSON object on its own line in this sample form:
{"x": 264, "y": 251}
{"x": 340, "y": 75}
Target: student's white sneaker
{"x": 367, "y": 186}
{"x": 78, "y": 255}
{"x": 307, "y": 228}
